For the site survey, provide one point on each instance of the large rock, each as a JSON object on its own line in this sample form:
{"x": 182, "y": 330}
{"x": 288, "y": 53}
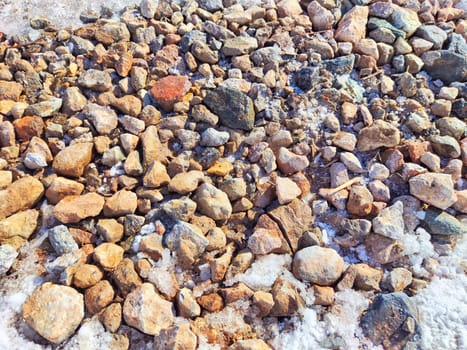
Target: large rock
{"x": 104, "y": 119}
{"x": 352, "y": 26}
{"x": 72, "y": 160}
{"x": 434, "y": 189}
{"x": 73, "y": 209}
{"x": 239, "y": 46}
{"x": 213, "y": 202}
{"x": 405, "y": 19}
{"x": 20, "y": 195}
{"x": 121, "y": 203}
{"x": 379, "y": 134}
{"x": 445, "y": 65}
{"x": 391, "y": 321}
{"x": 318, "y": 265}
{"x": 145, "y": 310}
{"x": 21, "y": 224}
{"x": 438, "y": 222}
{"x": 54, "y": 311}
{"x": 234, "y": 108}
{"x": 62, "y": 187}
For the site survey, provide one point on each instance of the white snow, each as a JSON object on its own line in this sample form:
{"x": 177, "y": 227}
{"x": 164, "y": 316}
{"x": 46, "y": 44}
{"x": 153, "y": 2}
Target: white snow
{"x": 91, "y": 336}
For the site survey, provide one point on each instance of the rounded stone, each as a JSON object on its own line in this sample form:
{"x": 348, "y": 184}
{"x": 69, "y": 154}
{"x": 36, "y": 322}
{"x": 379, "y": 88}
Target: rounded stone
{"x": 318, "y": 265}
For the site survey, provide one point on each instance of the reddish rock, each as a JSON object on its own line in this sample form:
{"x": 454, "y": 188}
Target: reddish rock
{"x": 28, "y": 127}
{"x": 169, "y": 90}
{"x": 352, "y": 26}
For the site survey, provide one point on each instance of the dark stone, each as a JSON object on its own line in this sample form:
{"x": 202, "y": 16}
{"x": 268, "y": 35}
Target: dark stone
{"x": 207, "y": 157}
{"x": 459, "y": 108}
{"x": 433, "y": 34}
{"x": 391, "y": 321}
{"x": 307, "y": 78}
{"x": 445, "y": 65}
{"x": 457, "y": 44}
{"x": 89, "y": 16}
{"x": 191, "y": 37}
{"x": 377, "y": 23}
{"x": 340, "y": 65}
{"x": 438, "y": 222}
{"x": 234, "y": 108}
{"x": 211, "y": 5}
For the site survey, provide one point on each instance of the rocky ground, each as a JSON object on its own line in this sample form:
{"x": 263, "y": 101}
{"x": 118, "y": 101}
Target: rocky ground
{"x": 244, "y": 175}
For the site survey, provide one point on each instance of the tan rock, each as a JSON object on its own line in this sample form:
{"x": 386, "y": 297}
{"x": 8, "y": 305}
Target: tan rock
{"x": 367, "y": 278}
{"x": 156, "y": 175}
{"x": 73, "y": 209}
{"x": 264, "y": 301}
{"x": 152, "y": 246}
{"x": 153, "y": 150}
{"x": 108, "y": 255}
{"x": 121, "y": 203}
{"x": 184, "y": 183}
{"x": 211, "y": 302}
{"x": 399, "y": 279}
{"x": 21, "y": 224}
{"x": 110, "y": 229}
{"x": 213, "y": 202}
{"x": 287, "y": 300}
{"x": 250, "y": 344}
{"x": 98, "y": 296}
{"x": 111, "y": 317}
{"x": 434, "y": 189}
{"x": 289, "y": 162}
{"x": 178, "y": 337}
{"x": 360, "y": 201}
{"x": 187, "y": 305}
{"x": 145, "y": 310}
{"x": 72, "y": 160}
{"x": 379, "y": 134}
{"x": 286, "y": 190}
{"x": 54, "y": 311}
{"x": 352, "y": 26}
{"x": 289, "y": 8}
{"x": 86, "y": 276}
{"x": 321, "y": 17}
{"x": 62, "y": 187}
{"x": 6, "y": 178}
{"x": 318, "y": 265}
{"x": 20, "y": 195}
{"x": 323, "y": 295}
{"x": 264, "y": 241}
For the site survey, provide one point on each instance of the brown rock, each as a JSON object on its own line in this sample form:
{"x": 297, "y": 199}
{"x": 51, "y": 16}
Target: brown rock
{"x": 379, "y": 134}
{"x": 250, "y": 344}
{"x": 360, "y": 201}
{"x": 184, "y": 183}
{"x": 152, "y": 147}
{"x": 125, "y": 276}
{"x": 110, "y": 229}
{"x": 98, "y": 296}
{"x": 323, "y": 295}
{"x": 156, "y": 175}
{"x": 321, "y": 17}
{"x": 10, "y": 90}
{"x": 121, "y": 203}
{"x": 20, "y": 195}
{"x": 73, "y": 209}
{"x": 62, "y": 187}
{"x": 178, "y": 337}
{"x": 108, "y": 255}
{"x": 111, "y": 317}
{"x": 289, "y": 162}
{"x": 86, "y": 276}
{"x": 186, "y": 304}
{"x": 211, "y": 302}
{"x": 72, "y": 160}
{"x": 54, "y": 311}
{"x": 21, "y": 224}
{"x": 287, "y": 300}
{"x": 366, "y": 277}
{"x": 28, "y": 127}
{"x": 289, "y": 8}
{"x": 381, "y": 249}
{"x": 264, "y": 301}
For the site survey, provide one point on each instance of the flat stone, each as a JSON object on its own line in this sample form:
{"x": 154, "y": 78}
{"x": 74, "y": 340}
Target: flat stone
{"x": 318, "y": 265}
{"x": 121, "y": 203}
{"x": 441, "y": 223}
{"x": 213, "y": 202}
{"x": 72, "y": 160}
{"x": 21, "y": 224}
{"x": 235, "y": 109}
{"x": 73, "y": 209}
{"x": 170, "y": 90}
{"x": 54, "y": 311}
{"x": 240, "y": 45}
{"x": 434, "y": 189}
{"x": 379, "y": 134}
{"x": 20, "y": 195}
{"x": 145, "y": 310}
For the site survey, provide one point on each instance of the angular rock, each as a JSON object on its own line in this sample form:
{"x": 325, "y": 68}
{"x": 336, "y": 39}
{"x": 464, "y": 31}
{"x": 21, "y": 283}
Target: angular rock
{"x": 434, "y": 189}
{"x": 240, "y": 45}
{"x": 86, "y": 276}
{"x": 405, "y": 19}
{"x": 169, "y": 90}
{"x": 287, "y": 300}
{"x": 286, "y": 190}
{"x": 438, "y": 222}
{"x": 54, "y": 311}
{"x": 318, "y": 265}
{"x": 360, "y": 201}
{"x": 289, "y": 162}
{"x": 62, "y": 187}
{"x": 20, "y": 195}
{"x": 445, "y": 65}
{"x": 178, "y": 337}
{"x": 95, "y": 80}
{"x": 213, "y": 202}
{"x": 184, "y": 183}
{"x": 103, "y": 118}
{"x": 379, "y": 134}
{"x": 307, "y": 78}
{"x": 8, "y": 256}
{"x": 390, "y": 222}
{"x": 10, "y": 90}
{"x": 21, "y": 224}
{"x": 352, "y": 26}
{"x": 108, "y": 255}
{"x": 73, "y": 209}
{"x": 72, "y": 160}
{"x": 61, "y": 240}
{"x": 98, "y": 296}
{"x": 183, "y": 231}
{"x": 121, "y": 203}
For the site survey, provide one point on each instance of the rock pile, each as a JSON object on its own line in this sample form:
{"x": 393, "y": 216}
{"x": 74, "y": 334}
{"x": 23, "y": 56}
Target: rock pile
{"x": 164, "y": 154}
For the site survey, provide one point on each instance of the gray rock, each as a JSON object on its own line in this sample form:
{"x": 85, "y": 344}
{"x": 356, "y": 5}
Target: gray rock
{"x": 318, "y": 265}
{"x": 240, "y": 45}
{"x": 445, "y": 146}
{"x": 61, "y": 240}
{"x": 217, "y": 31}
{"x": 81, "y": 46}
{"x": 148, "y": 8}
{"x": 213, "y": 138}
{"x": 391, "y": 321}
{"x": 376, "y": 23}
{"x": 390, "y": 222}
{"x": 265, "y": 55}
{"x": 234, "y": 108}
{"x": 450, "y": 126}
{"x": 190, "y": 38}
{"x": 8, "y": 256}
{"x": 446, "y": 65}
{"x": 211, "y": 5}
{"x": 95, "y": 80}
{"x": 34, "y": 160}
{"x": 457, "y": 44}
{"x": 433, "y": 34}
{"x": 213, "y": 202}
{"x": 183, "y": 231}
{"x": 45, "y": 108}
{"x": 340, "y": 65}
{"x": 103, "y": 118}
{"x": 307, "y": 78}
{"x": 203, "y": 52}
{"x": 405, "y": 19}
{"x": 438, "y": 222}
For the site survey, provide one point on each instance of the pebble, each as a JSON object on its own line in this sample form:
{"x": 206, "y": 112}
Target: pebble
{"x": 54, "y": 311}
{"x": 156, "y": 175}
{"x": 61, "y": 240}
{"x": 213, "y": 202}
{"x": 240, "y": 45}
{"x": 72, "y": 160}
{"x": 176, "y": 337}
{"x": 86, "y": 276}
{"x": 360, "y": 201}
{"x": 317, "y": 265}
{"x": 108, "y": 255}
{"x": 110, "y": 230}
{"x": 97, "y": 297}
{"x": 321, "y": 17}
{"x": 73, "y": 209}
{"x": 103, "y": 118}
{"x": 125, "y": 276}
{"x": 146, "y": 311}
{"x": 213, "y": 138}
{"x": 289, "y": 162}
{"x": 96, "y": 80}
{"x": 434, "y": 189}
{"x": 399, "y": 279}
{"x": 445, "y": 146}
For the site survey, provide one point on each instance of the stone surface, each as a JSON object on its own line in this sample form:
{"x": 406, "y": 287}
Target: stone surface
{"x": 213, "y": 202}
{"x": 108, "y": 255}
{"x": 445, "y": 65}
{"x": 156, "y": 175}
{"x": 380, "y": 134}
{"x": 289, "y": 162}
{"x": 287, "y": 300}
{"x": 286, "y": 190}
{"x": 322, "y": 266}
{"x": 54, "y": 311}
{"x": 22, "y": 224}
{"x": 184, "y": 183}
{"x": 86, "y": 276}
{"x": 234, "y": 108}
{"x": 145, "y": 310}
{"x": 20, "y": 195}
{"x": 360, "y": 201}
{"x": 61, "y": 240}
{"x": 98, "y": 296}
{"x": 72, "y": 160}
{"x": 178, "y": 337}
{"x": 73, "y": 209}
{"x": 121, "y": 203}
{"x": 434, "y": 189}
{"x": 95, "y": 80}
{"x": 352, "y": 26}
{"x": 170, "y": 90}
{"x": 389, "y": 221}
{"x": 439, "y": 222}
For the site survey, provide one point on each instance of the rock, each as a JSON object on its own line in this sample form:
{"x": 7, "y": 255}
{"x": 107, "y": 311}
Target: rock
{"x": 20, "y": 195}
{"x": 45, "y": 108}
{"x": 289, "y": 162}
{"x": 145, "y": 310}
{"x": 61, "y": 240}
{"x": 28, "y": 127}
{"x": 72, "y": 160}
{"x": 108, "y": 255}
{"x": 156, "y": 175}
{"x": 184, "y": 183}
{"x": 110, "y": 230}
{"x": 8, "y": 256}
{"x": 203, "y": 52}
{"x": 434, "y": 189}
{"x": 112, "y": 32}
{"x": 434, "y": 34}
{"x": 360, "y": 201}
{"x": 103, "y": 118}
{"x": 21, "y": 224}
{"x": 307, "y": 78}
{"x": 178, "y": 337}
{"x": 54, "y": 311}
{"x": 111, "y": 318}
{"x": 125, "y": 276}
{"x": 34, "y": 161}
{"x": 405, "y": 19}
{"x": 10, "y": 90}
{"x": 240, "y": 45}
{"x": 264, "y": 301}
{"x": 86, "y": 276}
{"x": 213, "y": 138}
{"x": 211, "y": 302}
{"x": 352, "y": 26}
{"x": 321, "y": 18}
{"x": 179, "y": 209}
{"x": 250, "y": 344}
{"x": 286, "y": 190}
{"x": 152, "y": 147}
{"x": 391, "y": 321}
{"x": 289, "y": 8}
{"x": 98, "y": 296}
{"x": 6, "y": 178}
{"x": 213, "y": 202}
{"x": 445, "y": 146}
{"x": 62, "y": 187}
{"x": 441, "y": 223}
{"x": 445, "y": 65}
{"x": 389, "y": 221}
{"x": 451, "y": 126}
{"x": 234, "y": 108}
{"x": 287, "y": 300}
{"x": 379, "y": 134}
{"x": 184, "y": 232}
{"x": 186, "y": 304}
{"x": 73, "y": 209}
{"x": 95, "y": 80}
{"x": 399, "y": 279}
{"x": 169, "y": 90}
{"x": 264, "y": 241}
{"x": 323, "y": 295}
{"x": 366, "y": 277}
{"x": 318, "y": 265}
{"x": 121, "y": 203}
{"x": 148, "y": 8}
{"x": 351, "y": 162}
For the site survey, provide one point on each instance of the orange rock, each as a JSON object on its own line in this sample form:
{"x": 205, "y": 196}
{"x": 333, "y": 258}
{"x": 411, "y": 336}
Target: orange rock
{"x": 28, "y": 127}
{"x": 169, "y": 90}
